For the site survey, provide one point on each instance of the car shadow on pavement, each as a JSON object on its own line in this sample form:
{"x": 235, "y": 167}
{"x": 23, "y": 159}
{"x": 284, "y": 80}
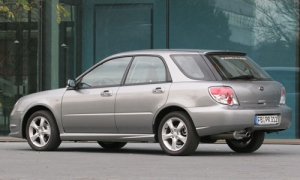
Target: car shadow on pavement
{"x": 159, "y": 152}
{"x": 155, "y": 151}
{"x": 118, "y": 151}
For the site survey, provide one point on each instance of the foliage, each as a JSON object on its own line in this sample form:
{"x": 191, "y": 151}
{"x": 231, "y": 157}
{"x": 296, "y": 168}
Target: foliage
{"x": 14, "y": 8}
{"x": 61, "y": 10}
{"x": 276, "y": 21}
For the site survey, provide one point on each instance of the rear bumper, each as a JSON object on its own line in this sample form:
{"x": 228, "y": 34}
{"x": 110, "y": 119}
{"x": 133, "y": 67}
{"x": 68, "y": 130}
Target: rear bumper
{"x": 221, "y": 118}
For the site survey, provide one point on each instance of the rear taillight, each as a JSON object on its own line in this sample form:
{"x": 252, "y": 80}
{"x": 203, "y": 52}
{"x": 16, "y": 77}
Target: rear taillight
{"x": 282, "y": 97}
{"x": 223, "y": 95}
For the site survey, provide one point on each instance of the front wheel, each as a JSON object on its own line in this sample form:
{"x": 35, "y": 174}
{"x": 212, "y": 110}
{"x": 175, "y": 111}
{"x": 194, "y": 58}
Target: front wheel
{"x": 42, "y": 132}
{"x": 112, "y": 145}
{"x": 247, "y": 145}
{"x": 177, "y": 134}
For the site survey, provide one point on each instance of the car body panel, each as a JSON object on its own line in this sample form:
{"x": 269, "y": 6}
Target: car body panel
{"x": 130, "y": 113}
{"x": 87, "y": 111}
{"x": 107, "y": 137}
{"x": 289, "y": 77}
{"x": 254, "y": 93}
{"x": 221, "y": 118}
{"x": 191, "y": 94}
{"x": 50, "y": 99}
{"x": 136, "y": 106}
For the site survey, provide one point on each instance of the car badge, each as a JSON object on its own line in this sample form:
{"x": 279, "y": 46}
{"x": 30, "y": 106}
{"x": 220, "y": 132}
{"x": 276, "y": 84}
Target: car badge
{"x": 261, "y": 88}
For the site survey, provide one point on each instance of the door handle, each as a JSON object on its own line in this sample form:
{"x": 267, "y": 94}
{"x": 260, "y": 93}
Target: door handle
{"x": 106, "y": 93}
{"x": 158, "y": 90}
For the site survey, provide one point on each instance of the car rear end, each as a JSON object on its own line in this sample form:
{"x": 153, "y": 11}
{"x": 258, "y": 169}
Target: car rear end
{"x": 243, "y": 98}
{"x": 252, "y": 89}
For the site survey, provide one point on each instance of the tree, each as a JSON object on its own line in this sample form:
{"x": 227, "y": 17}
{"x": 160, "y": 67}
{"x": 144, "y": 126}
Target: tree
{"x": 14, "y": 9}
{"x": 276, "y": 21}
{"x": 276, "y": 29}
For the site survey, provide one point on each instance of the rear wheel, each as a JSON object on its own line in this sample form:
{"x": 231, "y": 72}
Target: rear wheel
{"x": 177, "y": 134}
{"x": 42, "y": 132}
{"x": 112, "y": 145}
{"x": 247, "y": 145}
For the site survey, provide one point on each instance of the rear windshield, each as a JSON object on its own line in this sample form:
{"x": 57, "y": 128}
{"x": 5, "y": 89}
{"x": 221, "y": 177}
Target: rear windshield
{"x": 236, "y": 67}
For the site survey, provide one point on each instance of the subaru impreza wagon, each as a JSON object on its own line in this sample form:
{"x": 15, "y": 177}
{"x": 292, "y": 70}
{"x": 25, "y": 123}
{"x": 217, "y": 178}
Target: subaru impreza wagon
{"x": 177, "y": 98}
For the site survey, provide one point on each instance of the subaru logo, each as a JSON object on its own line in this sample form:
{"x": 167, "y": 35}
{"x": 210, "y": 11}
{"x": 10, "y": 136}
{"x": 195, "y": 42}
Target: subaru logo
{"x": 261, "y": 88}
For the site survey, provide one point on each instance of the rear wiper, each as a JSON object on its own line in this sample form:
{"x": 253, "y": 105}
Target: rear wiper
{"x": 248, "y": 76}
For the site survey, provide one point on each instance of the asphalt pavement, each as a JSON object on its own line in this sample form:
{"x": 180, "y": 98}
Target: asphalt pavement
{"x": 87, "y": 160}
{"x": 267, "y": 141}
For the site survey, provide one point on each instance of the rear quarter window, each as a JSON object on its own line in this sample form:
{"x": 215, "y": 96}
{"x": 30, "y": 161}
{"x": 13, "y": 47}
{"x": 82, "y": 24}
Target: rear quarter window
{"x": 193, "y": 66}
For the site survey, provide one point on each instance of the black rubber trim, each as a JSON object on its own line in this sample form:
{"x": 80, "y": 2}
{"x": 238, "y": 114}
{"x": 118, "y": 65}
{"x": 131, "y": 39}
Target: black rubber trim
{"x": 212, "y": 69}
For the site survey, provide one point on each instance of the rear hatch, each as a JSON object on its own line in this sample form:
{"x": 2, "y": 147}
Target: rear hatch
{"x": 256, "y": 93}
{"x": 252, "y": 85}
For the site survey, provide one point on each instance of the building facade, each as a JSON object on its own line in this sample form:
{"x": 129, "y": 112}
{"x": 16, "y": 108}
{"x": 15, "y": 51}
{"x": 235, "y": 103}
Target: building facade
{"x": 37, "y": 52}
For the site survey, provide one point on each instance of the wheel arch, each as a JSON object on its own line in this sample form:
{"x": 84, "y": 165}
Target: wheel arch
{"x": 29, "y": 113}
{"x": 162, "y": 113}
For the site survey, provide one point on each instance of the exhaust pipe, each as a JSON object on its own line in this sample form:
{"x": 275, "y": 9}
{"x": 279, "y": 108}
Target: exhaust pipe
{"x": 241, "y": 134}
{"x": 235, "y": 135}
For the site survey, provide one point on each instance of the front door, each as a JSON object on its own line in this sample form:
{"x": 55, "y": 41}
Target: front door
{"x": 90, "y": 108}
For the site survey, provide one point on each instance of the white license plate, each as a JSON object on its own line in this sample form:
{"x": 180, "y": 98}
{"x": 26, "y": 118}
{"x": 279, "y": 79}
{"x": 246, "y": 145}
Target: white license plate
{"x": 266, "y": 120}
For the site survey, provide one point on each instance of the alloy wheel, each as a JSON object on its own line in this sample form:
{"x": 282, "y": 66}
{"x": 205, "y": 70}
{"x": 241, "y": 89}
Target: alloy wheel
{"x": 39, "y": 131}
{"x": 174, "y": 134}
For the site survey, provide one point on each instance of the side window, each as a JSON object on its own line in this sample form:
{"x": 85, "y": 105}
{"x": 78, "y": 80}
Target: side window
{"x": 188, "y": 65}
{"x": 107, "y": 74}
{"x": 146, "y": 69}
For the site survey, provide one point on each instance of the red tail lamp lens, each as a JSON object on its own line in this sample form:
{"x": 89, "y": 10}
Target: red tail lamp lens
{"x": 223, "y": 95}
{"x": 282, "y": 98}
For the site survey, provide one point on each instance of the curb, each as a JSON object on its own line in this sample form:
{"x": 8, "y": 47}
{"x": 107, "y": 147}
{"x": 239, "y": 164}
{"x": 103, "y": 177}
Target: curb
{"x": 11, "y": 139}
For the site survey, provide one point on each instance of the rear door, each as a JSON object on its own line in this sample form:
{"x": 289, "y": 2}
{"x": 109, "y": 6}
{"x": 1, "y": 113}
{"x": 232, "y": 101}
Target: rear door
{"x": 145, "y": 90}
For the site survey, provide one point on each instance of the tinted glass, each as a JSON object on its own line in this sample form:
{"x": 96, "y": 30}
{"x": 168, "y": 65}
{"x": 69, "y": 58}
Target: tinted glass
{"x": 238, "y": 67}
{"x": 107, "y": 74}
{"x": 193, "y": 66}
{"x": 146, "y": 69}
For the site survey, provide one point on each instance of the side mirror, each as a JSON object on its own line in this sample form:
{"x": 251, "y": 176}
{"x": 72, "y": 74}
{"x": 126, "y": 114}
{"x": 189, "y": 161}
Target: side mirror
{"x": 71, "y": 83}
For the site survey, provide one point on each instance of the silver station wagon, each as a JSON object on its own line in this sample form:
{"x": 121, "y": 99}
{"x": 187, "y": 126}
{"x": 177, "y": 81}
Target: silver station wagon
{"x": 175, "y": 97}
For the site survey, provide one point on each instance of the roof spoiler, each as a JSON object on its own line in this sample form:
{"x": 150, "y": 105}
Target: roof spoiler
{"x": 225, "y": 53}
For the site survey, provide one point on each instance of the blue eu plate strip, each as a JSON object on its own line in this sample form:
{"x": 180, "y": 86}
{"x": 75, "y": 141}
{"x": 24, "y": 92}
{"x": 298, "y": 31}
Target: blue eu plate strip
{"x": 255, "y": 120}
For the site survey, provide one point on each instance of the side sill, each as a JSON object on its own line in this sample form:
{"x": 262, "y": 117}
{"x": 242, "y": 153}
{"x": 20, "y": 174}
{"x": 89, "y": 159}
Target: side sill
{"x": 107, "y": 137}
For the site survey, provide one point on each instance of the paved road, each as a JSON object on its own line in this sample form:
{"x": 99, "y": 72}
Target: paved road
{"x": 147, "y": 161}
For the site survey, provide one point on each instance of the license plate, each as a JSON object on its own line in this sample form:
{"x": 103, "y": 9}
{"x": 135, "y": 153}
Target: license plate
{"x": 266, "y": 120}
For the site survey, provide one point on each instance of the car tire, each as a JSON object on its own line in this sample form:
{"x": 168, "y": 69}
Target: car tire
{"x": 42, "y": 132}
{"x": 112, "y": 145}
{"x": 174, "y": 141}
{"x": 247, "y": 145}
